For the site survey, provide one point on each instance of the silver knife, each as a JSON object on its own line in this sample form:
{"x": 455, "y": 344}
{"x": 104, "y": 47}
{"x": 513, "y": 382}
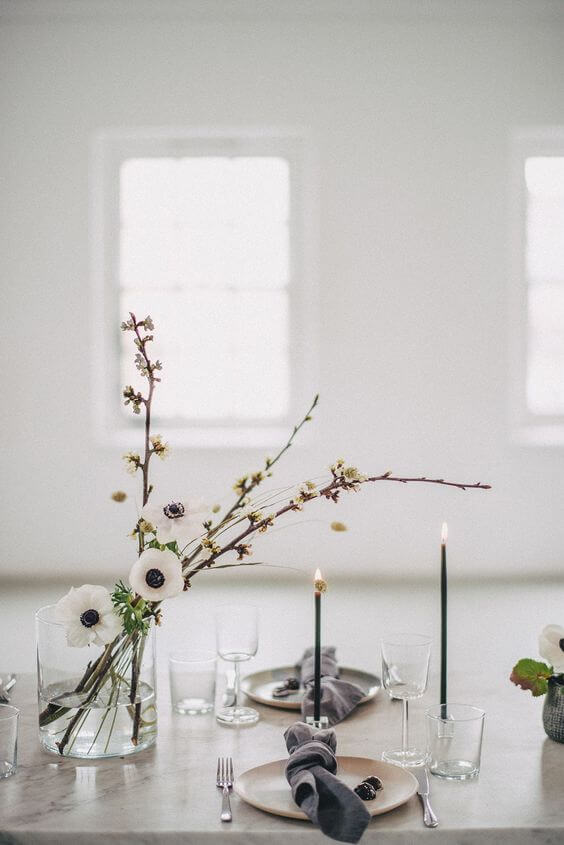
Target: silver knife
{"x": 429, "y": 818}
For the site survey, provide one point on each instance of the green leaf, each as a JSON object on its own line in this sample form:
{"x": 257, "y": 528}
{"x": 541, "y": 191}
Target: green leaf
{"x": 532, "y": 675}
{"x": 131, "y": 609}
{"x": 154, "y": 544}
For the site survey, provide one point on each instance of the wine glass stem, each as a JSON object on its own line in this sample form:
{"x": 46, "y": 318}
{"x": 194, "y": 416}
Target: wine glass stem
{"x": 236, "y": 684}
{"x": 405, "y": 726}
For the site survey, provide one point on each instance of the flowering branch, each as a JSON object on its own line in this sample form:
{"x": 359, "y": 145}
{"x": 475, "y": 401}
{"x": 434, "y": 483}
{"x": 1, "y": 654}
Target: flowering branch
{"x": 246, "y": 484}
{"x": 343, "y": 479}
{"x": 152, "y": 445}
{"x": 147, "y": 369}
{"x": 387, "y": 476}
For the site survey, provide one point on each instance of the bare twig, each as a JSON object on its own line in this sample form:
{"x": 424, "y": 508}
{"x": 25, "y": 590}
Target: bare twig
{"x": 332, "y": 491}
{"x": 103, "y": 666}
{"x": 147, "y": 402}
{"x": 248, "y": 485}
{"x": 147, "y": 368}
{"x": 387, "y": 476}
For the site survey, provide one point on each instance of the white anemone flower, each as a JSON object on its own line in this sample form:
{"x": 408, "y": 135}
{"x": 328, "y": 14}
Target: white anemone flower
{"x": 551, "y": 647}
{"x": 179, "y": 520}
{"x": 88, "y": 616}
{"x": 157, "y": 575}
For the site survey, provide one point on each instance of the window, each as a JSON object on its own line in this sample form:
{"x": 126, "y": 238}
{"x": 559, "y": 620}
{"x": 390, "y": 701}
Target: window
{"x": 207, "y": 234}
{"x": 539, "y": 279}
{"x": 544, "y": 179}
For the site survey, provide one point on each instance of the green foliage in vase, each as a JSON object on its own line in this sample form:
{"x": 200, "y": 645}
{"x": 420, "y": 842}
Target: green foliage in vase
{"x": 133, "y": 610}
{"x": 532, "y": 675}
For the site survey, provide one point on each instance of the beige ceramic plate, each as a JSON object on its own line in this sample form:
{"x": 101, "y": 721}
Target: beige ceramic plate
{"x": 259, "y": 686}
{"x": 266, "y": 786}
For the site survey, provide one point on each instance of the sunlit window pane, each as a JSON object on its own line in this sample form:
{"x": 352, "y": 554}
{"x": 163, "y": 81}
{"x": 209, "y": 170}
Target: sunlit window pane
{"x": 545, "y": 274}
{"x": 204, "y": 248}
{"x": 545, "y": 218}
{"x": 545, "y": 376}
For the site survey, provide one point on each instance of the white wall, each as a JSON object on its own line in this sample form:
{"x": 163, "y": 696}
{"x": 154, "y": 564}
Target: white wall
{"x": 410, "y": 106}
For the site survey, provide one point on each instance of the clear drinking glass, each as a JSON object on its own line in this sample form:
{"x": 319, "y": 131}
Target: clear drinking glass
{"x": 405, "y": 670}
{"x": 454, "y": 740}
{"x": 237, "y": 641}
{"x": 192, "y": 681}
{"x": 8, "y": 740}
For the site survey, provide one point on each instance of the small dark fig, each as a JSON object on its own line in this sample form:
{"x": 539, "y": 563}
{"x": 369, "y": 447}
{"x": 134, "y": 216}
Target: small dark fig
{"x": 280, "y": 692}
{"x": 375, "y": 782}
{"x": 365, "y": 791}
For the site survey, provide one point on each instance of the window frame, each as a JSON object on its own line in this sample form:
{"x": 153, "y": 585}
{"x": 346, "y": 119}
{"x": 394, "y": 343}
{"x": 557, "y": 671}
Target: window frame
{"x": 109, "y": 149}
{"x": 527, "y": 428}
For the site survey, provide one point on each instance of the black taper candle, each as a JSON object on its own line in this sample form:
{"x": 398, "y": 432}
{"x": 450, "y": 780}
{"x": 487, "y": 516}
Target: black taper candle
{"x": 319, "y": 586}
{"x": 317, "y": 667}
{"x": 443, "y": 697}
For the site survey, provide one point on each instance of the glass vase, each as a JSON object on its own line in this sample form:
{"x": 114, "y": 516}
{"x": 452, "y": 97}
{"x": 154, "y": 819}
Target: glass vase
{"x": 96, "y": 701}
{"x": 553, "y": 710}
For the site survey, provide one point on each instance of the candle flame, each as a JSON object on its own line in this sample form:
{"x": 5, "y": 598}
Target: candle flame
{"x": 444, "y": 534}
{"x": 319, "y": 584}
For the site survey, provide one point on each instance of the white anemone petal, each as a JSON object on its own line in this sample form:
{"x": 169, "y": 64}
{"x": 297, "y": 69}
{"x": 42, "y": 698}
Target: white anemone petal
{"x": 166, "y": 563}
{"x": 107, "y": 628}
{"x": 165, "y": 531}
{"x": 70, "y": 608}
{"x": 93, "y": 597}
{"x": 184, "y": 530}
{"x": 549, "y": 646}
{"x": 77, "y": 635}
{"x": 153, "y": 514}
{"x": 553, "y": 632}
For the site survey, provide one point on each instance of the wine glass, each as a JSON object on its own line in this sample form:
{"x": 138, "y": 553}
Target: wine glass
{"x": 405, "y": 670}
{"x": 237, "y": 641}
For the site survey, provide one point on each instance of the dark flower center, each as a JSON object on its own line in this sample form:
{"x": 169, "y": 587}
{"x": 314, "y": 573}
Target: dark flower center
{"x": 155, "y": 578}
{"x": 90, "y": 617}
{"x": 174, "y": 511}
{"x": 561, "y": 644}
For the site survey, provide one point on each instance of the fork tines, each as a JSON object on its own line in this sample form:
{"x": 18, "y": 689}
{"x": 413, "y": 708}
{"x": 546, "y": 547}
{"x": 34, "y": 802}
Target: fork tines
{"x": 224, "y": 776}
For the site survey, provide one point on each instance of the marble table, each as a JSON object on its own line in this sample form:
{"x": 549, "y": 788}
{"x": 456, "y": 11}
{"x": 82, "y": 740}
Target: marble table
{"x": 167, "y": 794}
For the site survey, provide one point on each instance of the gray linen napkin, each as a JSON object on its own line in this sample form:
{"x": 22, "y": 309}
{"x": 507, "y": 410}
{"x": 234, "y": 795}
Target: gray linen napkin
{"x": 338, "y": 698}
{"x": 325, "y": 799}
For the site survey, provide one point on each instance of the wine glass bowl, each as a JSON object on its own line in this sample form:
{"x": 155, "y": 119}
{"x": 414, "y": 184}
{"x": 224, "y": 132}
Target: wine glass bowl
{"x": 405, "y": 672}
{"x": 237, "y": 642}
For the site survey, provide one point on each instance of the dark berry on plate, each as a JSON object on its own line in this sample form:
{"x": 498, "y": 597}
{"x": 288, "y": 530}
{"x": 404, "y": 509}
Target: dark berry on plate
{"x": 374, "y": 782}
{"x": 292, "y": 683}
{"x": 280, "y": 692}
{"x": 365, "y": 791}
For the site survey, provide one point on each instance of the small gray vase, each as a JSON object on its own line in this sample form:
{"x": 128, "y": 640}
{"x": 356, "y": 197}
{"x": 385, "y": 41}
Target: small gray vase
{"x": 553, "y": 711}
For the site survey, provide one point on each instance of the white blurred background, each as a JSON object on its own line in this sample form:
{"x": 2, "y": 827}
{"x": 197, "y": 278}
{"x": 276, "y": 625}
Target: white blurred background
{"x": 407, "y": 263}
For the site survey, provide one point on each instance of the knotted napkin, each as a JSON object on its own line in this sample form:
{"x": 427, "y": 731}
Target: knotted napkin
{"x": 325, "y": 799}
{"x": 338, "y": 698}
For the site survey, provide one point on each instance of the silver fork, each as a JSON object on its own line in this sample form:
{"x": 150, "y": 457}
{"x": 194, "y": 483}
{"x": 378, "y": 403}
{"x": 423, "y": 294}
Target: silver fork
{"x": 224, "y": 781}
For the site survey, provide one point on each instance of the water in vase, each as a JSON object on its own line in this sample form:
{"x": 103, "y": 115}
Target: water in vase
{"x": 102, "y": 728}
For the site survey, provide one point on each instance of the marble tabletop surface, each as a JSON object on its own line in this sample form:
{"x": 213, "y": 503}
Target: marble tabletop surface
{"x": 167, "y": 793}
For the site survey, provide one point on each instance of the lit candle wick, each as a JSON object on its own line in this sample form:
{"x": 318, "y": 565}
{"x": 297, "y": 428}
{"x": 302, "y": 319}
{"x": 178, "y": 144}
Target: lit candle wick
{"x": 444, "y": 534}
{"x": 319, "y": 583}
